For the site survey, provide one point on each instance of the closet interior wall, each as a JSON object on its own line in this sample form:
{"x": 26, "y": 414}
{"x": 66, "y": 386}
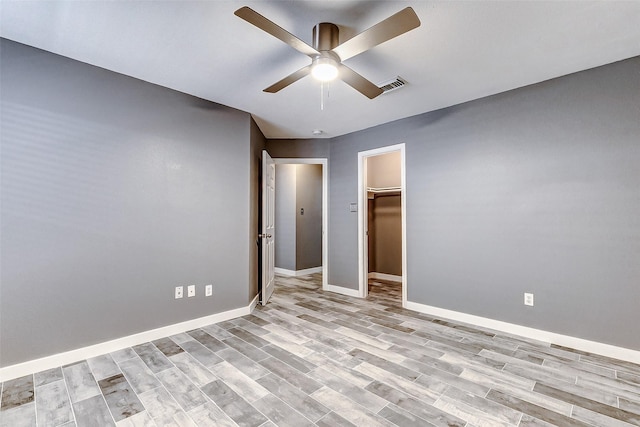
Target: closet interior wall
{"x": 384, "y": 214}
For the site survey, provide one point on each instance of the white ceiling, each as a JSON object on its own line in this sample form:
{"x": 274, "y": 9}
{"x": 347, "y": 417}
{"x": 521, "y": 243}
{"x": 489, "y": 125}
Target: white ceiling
{"x": 463, "y": 50}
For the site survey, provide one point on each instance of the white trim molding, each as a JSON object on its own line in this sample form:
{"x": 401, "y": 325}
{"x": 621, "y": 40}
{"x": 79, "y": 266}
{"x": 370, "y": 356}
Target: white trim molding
{"x": 297, "y": 273}
{"x": 343, "y": 291}
{"x": 363, "y": 255}
{"x": 581, "y": 344}
{"x": 72, "y": 356}
{"x": 385, "y": 276}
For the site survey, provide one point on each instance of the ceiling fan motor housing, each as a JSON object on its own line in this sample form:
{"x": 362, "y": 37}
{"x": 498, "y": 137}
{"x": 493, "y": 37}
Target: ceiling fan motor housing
{"x": 325, "y": 36}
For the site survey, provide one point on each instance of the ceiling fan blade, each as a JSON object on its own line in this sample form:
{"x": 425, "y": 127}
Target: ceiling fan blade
{"x": 291, "y": 78}
{"x": 358, "y": 82}
{"x": 393, "y": 26}
{"x": 253, "y": 17}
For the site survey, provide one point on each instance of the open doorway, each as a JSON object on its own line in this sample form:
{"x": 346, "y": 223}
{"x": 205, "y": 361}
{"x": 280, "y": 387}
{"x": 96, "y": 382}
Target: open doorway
{"x": 301, "y": 217}
{"x": 382, "y": 220}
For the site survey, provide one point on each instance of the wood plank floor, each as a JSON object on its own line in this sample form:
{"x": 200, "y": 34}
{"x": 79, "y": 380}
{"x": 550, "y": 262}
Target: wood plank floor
{"x": 315, "y": 358}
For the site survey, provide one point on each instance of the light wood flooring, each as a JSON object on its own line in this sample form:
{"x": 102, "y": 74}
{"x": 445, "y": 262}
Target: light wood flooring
{"x": 317, "y": 358}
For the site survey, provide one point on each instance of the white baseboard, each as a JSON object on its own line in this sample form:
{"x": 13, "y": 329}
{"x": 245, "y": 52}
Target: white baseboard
{"x": 72, "y": 356}
{"x": 342, "y": 290}
{"x": 385, "y": 276}
{"x": 284, "y": 272}
{"x": 254, "y": 303}
{"x": 297, "y": 273}
{"x": 608, "y": 350}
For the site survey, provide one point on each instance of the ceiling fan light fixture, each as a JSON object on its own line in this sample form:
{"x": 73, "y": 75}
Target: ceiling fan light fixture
{"x": 324, "y": 69}
{"x": 327, "y": 53}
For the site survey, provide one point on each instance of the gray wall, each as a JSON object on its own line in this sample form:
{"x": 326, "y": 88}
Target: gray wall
{"x": 533, "y": 190}
{"x": 285, "y": 212}
{"x": 109, "y": 200}
{"x": 309, "y": 225}
{"x": 298, "y": 148}
{"x": 114, "y": 191}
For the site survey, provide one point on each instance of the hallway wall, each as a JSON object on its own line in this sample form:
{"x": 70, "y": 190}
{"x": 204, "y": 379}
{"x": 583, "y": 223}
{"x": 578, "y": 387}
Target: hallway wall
{"x": 298, "y": 236}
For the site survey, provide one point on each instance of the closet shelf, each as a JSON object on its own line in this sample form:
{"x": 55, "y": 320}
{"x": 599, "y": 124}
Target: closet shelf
{"x": 384, "y": 189}
{"x": 379, "y": 191}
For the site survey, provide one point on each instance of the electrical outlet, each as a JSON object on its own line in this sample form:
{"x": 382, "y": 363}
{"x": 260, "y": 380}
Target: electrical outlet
{"x": 208, "y": 290}
{"x": 191, "y": 291}
{"x": 178, "y": 292}
{"x": 528, "y": 299}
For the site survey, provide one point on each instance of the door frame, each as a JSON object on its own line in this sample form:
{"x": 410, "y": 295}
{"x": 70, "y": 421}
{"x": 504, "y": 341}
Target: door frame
{"x": 363, "y": 249}
{"x": 325, "y": 206}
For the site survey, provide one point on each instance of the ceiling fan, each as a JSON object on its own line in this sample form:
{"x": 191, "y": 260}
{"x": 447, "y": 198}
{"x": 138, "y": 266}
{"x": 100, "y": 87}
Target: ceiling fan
{"x": 327, "y": 54}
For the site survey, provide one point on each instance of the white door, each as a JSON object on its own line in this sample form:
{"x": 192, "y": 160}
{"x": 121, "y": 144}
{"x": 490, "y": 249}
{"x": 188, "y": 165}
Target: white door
{"x": 268, "y": 225}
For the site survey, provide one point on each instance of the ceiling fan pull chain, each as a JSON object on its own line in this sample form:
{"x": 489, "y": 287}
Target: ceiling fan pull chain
{"x": 322, "y": 94}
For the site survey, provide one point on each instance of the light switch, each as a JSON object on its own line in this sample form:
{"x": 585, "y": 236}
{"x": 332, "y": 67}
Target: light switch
{"x": 353, "y": 207}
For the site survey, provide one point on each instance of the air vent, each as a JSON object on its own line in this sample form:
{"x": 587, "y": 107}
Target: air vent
{"x": 391, "y": 85}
